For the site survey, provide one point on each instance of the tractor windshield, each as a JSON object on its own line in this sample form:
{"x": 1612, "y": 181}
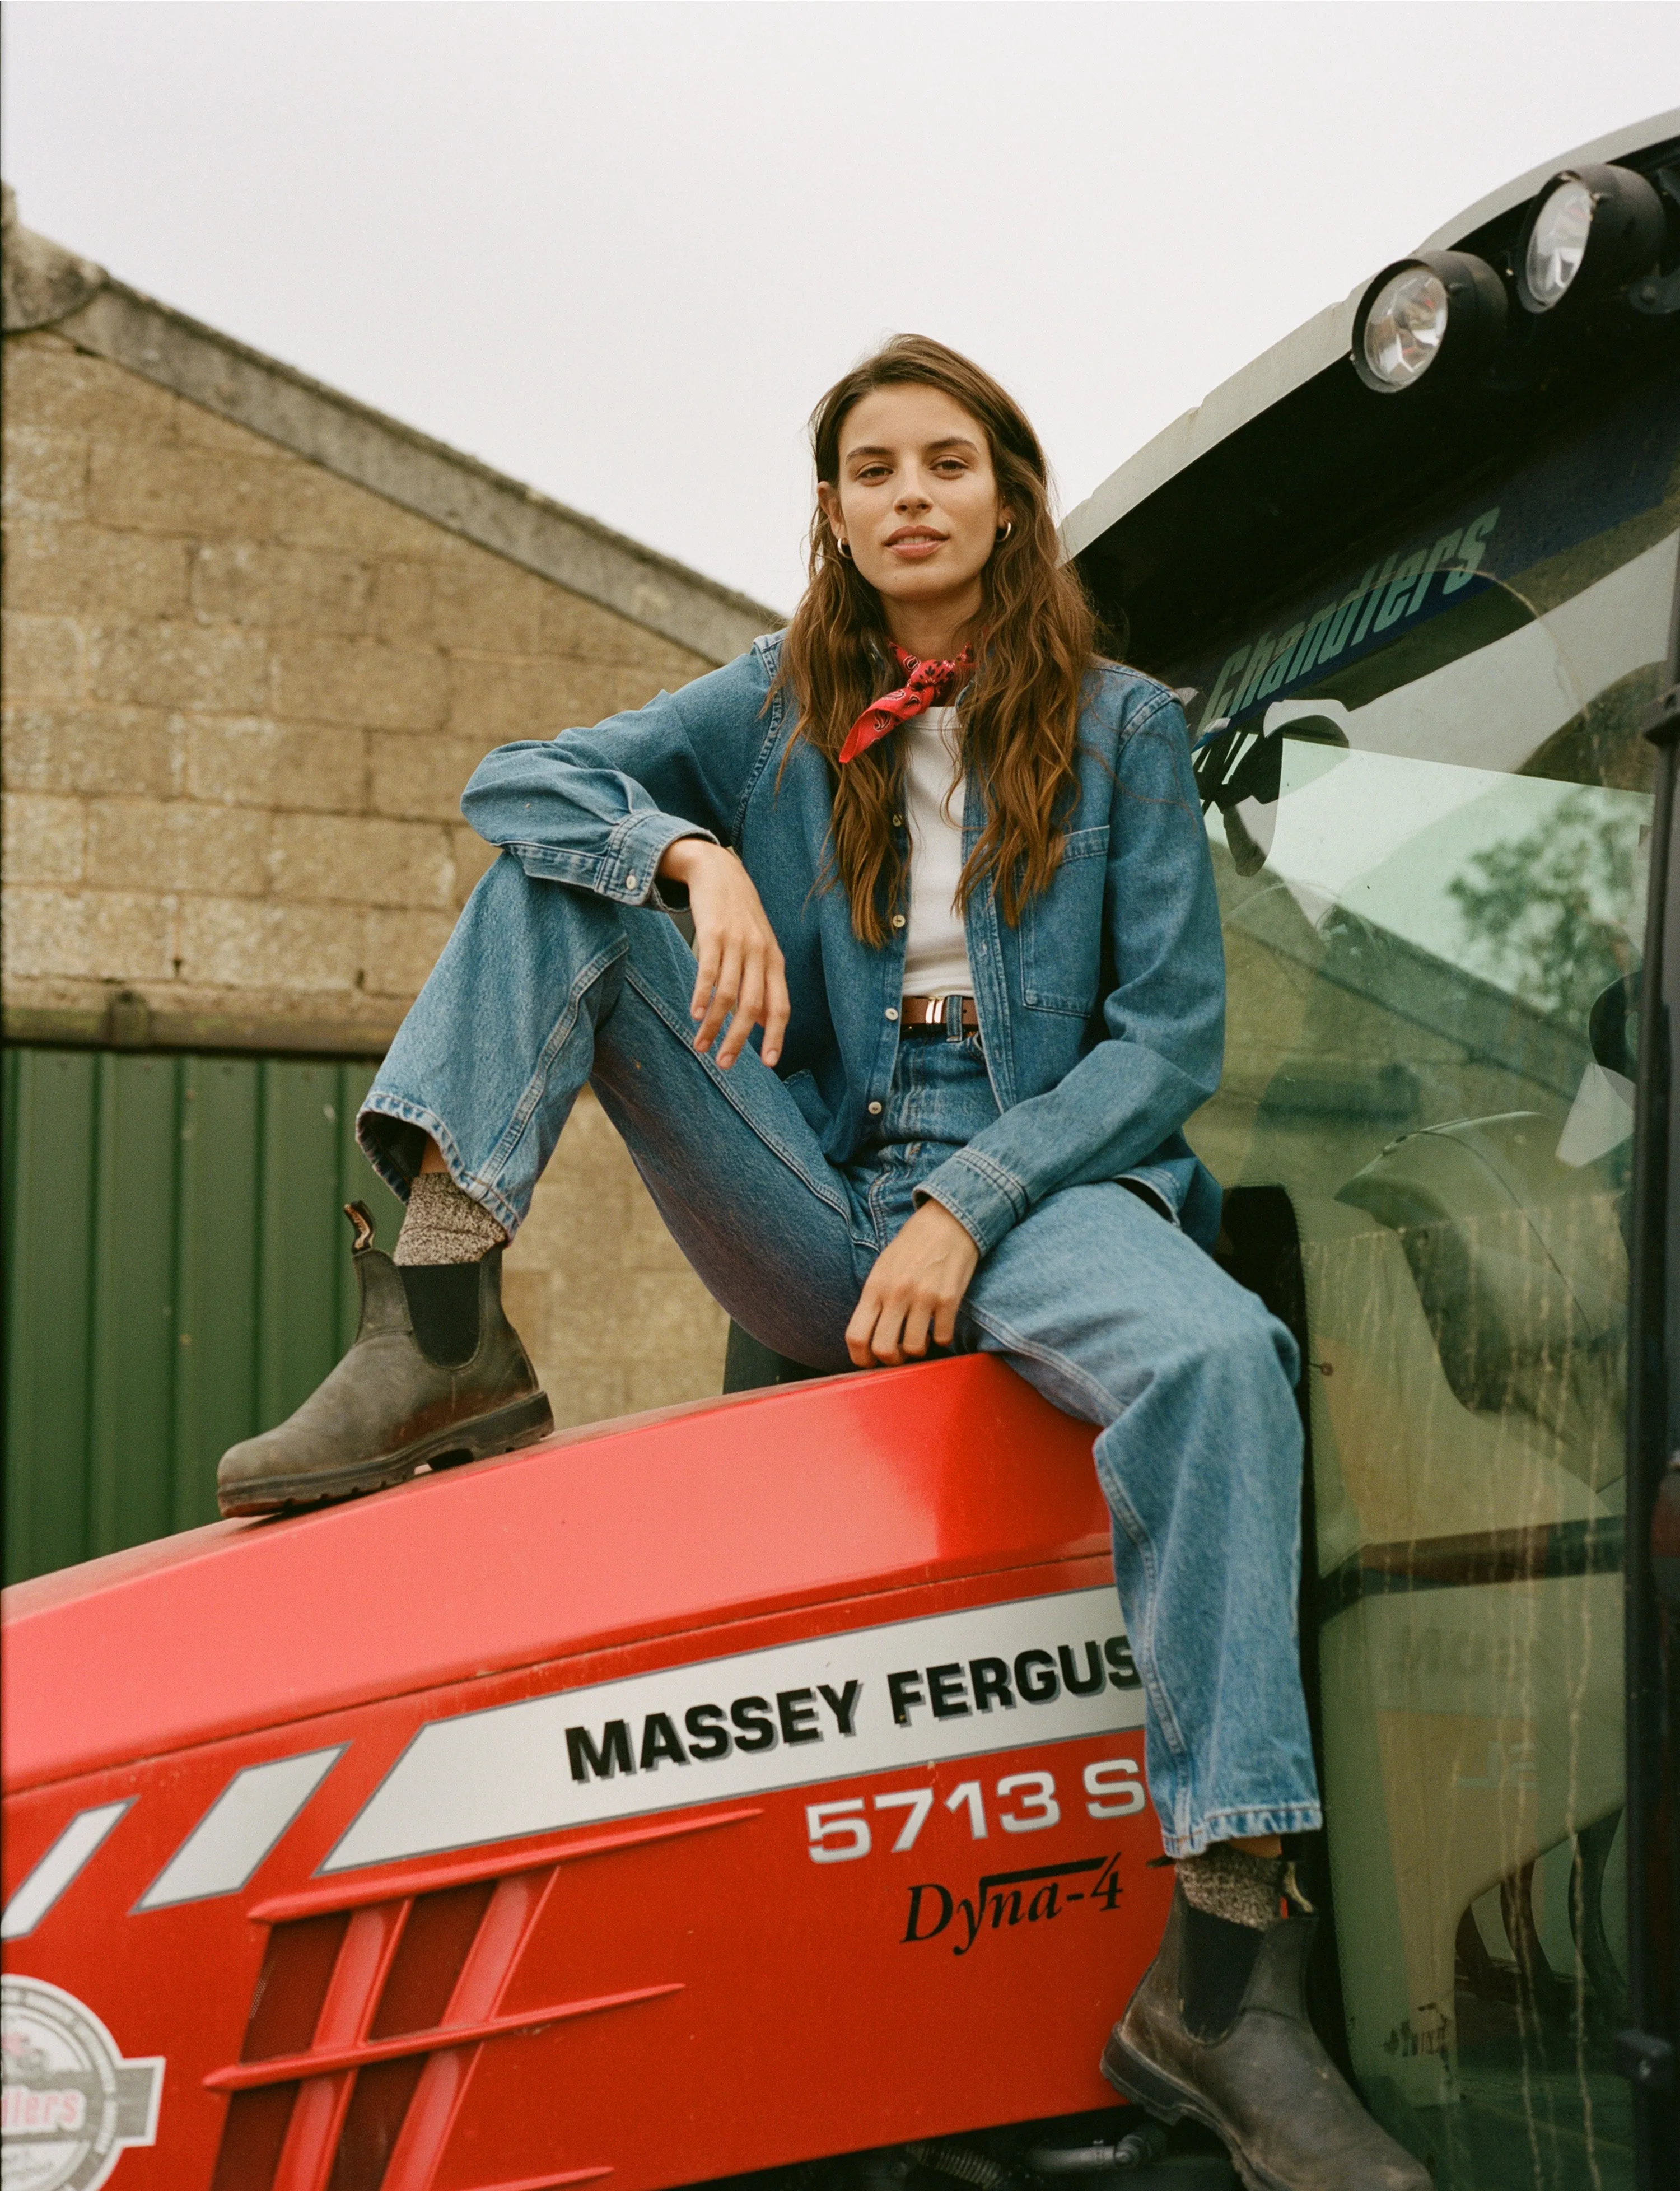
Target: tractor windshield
{"x": 1428, "y": 803}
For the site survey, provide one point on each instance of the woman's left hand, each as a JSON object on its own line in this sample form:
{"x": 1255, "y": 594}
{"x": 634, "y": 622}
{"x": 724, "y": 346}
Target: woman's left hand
{"x": 917, "y": 1283}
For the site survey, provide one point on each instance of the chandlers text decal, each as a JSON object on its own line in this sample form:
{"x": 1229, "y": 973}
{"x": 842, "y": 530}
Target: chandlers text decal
{"x": 872, "y": 1700}
{"x": 1391, "y": 596}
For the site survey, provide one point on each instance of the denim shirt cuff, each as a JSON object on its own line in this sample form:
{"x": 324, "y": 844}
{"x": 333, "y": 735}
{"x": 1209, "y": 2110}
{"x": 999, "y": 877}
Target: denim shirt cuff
{"x": 984, "y": 1198}
{"x": 635, "y": 851}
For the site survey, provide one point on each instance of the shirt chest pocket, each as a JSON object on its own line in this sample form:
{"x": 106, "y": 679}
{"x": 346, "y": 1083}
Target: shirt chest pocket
{"x": 1062, "y": 932}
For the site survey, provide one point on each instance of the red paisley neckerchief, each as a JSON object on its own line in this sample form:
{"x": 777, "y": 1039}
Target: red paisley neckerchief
{"x": 926, "y": 684}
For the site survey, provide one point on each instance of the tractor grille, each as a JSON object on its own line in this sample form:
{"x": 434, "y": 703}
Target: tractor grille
{"x": 373, "y": 2003}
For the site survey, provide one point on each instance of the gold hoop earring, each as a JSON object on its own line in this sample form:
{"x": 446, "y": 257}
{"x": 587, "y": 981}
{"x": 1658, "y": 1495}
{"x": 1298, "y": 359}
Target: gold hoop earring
{"x": 844, "y": 550}
{"x": 1004, "y": 530}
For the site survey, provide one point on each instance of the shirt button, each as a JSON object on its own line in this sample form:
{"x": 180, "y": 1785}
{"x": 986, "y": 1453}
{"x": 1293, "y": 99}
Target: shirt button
{"x": 897, "y": 821}
{"x": 898, "y": 920}
{"x": 892, "y": 1011}
{"x": 630, "y": 882}
{"x": 874, "y": 1110}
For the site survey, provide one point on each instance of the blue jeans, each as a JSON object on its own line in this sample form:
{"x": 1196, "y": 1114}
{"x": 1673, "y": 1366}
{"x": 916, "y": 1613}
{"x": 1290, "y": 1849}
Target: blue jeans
{"x": 1095, "y": 1298}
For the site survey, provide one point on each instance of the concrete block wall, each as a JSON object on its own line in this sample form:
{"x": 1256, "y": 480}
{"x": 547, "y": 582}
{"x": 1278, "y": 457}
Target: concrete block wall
{"x": 241, "y": 695}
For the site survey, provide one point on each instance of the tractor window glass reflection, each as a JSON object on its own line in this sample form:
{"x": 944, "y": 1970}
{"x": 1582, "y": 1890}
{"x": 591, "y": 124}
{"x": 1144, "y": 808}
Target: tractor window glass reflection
{"x": 1432, "y": 874}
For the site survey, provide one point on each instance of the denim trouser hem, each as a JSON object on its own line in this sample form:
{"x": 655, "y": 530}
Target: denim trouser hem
{"x": 380, "y": 1104}
{"x": 823, "y": 1186}
{"x": 583, "y": 998}
{"x": 1242, "y": 1826}
{"x": 1101, "y": 1409}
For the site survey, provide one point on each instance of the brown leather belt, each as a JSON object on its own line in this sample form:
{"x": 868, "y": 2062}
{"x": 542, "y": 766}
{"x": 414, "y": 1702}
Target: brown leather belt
{"x": 929, "y": 1012}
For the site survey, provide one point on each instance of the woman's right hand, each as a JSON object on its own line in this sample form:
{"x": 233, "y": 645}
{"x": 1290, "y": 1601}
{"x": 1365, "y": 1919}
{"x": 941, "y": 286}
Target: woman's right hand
{"x": 742, "y": 976}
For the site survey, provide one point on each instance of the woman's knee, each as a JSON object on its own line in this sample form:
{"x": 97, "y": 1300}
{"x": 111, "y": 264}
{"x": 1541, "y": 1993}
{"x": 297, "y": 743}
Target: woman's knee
{"x": 505, "y": 892}
{"x": 1244, "y": 1346}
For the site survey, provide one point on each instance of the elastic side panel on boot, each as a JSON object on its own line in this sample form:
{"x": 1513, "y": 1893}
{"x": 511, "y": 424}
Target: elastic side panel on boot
{"x": 1219, "y": 1960}
{"x": 443, "y": 1309}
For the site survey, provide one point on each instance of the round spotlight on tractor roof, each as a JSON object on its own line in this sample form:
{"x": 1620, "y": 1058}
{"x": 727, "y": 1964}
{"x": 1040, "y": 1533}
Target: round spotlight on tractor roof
{"x": 1442, "y": 311}
{"x": 1590, "y": 230}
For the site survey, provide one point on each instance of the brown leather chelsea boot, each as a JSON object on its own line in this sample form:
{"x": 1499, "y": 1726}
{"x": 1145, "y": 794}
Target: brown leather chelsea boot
{"x": 1261, "y": 2082}
{"x": 437, "y": 1374}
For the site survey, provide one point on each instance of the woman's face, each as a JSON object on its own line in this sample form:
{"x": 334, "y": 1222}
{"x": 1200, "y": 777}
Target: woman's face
{"x": 916, "y": 501}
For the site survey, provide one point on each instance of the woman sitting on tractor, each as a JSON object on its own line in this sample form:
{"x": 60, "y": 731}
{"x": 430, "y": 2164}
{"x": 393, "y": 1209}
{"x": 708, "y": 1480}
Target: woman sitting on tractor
{"x": 956, "y": 986}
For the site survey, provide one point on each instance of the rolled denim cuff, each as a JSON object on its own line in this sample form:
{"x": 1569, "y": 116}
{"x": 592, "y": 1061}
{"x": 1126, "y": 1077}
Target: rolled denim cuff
{"x": 634, "y": 853}
{"x": 984, "y": 1198}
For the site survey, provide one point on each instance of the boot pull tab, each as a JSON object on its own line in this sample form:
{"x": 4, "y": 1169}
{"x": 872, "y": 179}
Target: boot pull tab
{"x": 362, "y": 1217}
{"x": 1292, "y": 1893}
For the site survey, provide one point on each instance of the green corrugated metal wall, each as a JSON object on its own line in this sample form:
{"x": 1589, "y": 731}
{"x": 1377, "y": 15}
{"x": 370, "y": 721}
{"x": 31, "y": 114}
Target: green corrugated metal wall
{"x": 178, "y": 1276}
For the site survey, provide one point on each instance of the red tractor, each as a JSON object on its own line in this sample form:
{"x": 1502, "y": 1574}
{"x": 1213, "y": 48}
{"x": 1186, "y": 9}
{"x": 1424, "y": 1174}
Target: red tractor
{"x": 727, "y": 1788}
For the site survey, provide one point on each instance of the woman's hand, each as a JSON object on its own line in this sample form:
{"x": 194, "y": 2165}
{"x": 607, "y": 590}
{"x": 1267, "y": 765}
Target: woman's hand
{"x": 918, "y": 1282}
{"x": 741, "y": 968}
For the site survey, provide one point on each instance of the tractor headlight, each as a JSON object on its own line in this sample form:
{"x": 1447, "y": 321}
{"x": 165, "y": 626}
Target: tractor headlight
{"x": 1557, "y": 244}
{"x": 1405, "y": 327}
{"x": 1590, "y": 230}
{"x": 1442, "y": 310}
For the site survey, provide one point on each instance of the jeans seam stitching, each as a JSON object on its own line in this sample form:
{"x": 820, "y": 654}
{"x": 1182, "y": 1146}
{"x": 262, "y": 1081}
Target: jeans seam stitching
{"x": 1012, "y": 1338}
{"x": 559, "y": 1034}
{"x": 1165, "y": 1709}
{"x": 720, "y": 1081}
{"x": 1128, "y": 1516}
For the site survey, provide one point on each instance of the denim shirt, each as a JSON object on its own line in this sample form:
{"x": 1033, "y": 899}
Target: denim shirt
{"x": 1101, "y": 1013}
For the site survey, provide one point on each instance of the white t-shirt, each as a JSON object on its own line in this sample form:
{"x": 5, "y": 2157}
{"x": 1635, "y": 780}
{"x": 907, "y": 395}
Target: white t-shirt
{"x": 936, "y": 949}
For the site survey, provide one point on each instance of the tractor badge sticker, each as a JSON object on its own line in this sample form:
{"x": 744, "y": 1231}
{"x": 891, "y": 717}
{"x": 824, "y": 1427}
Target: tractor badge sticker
{"x": 69, "y": 2103}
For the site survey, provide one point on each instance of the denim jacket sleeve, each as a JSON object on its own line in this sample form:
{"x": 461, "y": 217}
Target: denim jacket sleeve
{"x": 597, "y": 808}
{"x": 1163, "y": 1051}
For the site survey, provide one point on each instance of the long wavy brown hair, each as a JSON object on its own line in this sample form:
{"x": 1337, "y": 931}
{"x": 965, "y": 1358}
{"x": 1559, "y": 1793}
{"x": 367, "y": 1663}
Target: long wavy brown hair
{"x": 1019, "y": 717}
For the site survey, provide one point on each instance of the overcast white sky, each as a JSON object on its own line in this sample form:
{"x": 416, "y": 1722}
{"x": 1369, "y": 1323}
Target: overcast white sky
{"x": 618, "y": 249}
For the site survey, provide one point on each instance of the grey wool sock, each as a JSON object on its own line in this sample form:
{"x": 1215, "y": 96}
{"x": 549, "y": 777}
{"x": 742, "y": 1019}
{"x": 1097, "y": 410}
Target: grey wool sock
{"x": 444, "y": 1225}
{"x": 1229, "y": 1882}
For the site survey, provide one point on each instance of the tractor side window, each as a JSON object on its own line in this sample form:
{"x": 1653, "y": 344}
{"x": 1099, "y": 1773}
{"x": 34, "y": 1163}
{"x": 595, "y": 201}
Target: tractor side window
{"x": 1428, "y": 804}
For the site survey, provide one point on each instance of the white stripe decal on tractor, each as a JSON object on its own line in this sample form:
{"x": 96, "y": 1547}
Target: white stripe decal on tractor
{"x": 37, "y": 1893}
{"x": 239, "y": 1829}
{"x": 870, "y": 1700}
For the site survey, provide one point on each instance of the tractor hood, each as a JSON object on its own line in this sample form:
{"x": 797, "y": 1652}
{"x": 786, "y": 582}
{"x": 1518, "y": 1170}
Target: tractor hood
{"x": 683, "y": 1520}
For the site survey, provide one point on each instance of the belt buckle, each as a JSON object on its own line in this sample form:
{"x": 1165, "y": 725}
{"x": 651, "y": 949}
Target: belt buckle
{"x": 934, "y": 1012}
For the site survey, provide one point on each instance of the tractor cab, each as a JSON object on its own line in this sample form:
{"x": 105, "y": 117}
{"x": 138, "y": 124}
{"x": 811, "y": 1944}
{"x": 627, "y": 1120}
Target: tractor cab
{"x": 1421, "y": 605}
